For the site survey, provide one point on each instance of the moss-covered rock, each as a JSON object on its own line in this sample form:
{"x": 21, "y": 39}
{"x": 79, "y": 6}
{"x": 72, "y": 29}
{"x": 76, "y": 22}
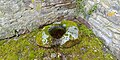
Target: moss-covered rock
{"x": 50, "y": 34}
{"x": 25, "y": 47}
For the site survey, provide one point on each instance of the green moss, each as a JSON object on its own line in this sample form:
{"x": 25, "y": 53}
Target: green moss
{"x": 25, "y": 48}
{"x": 90, "y": 48}
{"x": 80, "y": 8}
{"x": 94, "y": 7}
{"x": 2, "y": 42}
{"x": 45, "y": 39}
{"x": 69, "y": 23}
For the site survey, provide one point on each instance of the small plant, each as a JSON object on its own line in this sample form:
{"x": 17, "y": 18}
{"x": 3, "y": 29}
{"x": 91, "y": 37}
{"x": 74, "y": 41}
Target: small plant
{"x": 80, "y": 8}
{"x": 94, "y": 7}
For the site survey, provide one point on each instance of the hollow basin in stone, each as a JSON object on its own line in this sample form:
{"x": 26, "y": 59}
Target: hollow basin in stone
{"x": 63, "y": 34}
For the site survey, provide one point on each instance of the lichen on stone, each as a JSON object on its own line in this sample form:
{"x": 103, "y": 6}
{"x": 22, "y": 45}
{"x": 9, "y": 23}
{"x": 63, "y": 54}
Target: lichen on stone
{"x": 44, "y": 38}
{"x": 71, "y": 33}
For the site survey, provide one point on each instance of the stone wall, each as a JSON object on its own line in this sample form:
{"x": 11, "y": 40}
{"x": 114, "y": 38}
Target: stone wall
{"x": 105, "y": 22}
{"x": 21, "y": 15}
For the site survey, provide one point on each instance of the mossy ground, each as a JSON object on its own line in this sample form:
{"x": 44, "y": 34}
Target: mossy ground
{"x": 25, "y": 48}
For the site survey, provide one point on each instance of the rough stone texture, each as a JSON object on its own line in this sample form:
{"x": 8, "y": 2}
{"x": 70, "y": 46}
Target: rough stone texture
{"x": 21, "y": 15}
{"x": 105, "y": 22}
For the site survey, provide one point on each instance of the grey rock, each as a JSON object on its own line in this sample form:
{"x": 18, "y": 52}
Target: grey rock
{"x": 107, "y": 32}
{"x": 107, "y": 27}
{"x": 117, "y": 36}
{"x": 116, "y": 51}
{"x": 103, "y": 20}
{"x": 113, "y": 29}
{"x": 114, "y": 19}
{"x": 17, "y": 15}
{"x": 22, "y": 14}
{"x": 116, "y": 41}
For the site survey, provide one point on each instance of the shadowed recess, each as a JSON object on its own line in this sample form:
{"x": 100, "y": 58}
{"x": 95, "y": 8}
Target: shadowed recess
{"x": 57, "y": 31}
